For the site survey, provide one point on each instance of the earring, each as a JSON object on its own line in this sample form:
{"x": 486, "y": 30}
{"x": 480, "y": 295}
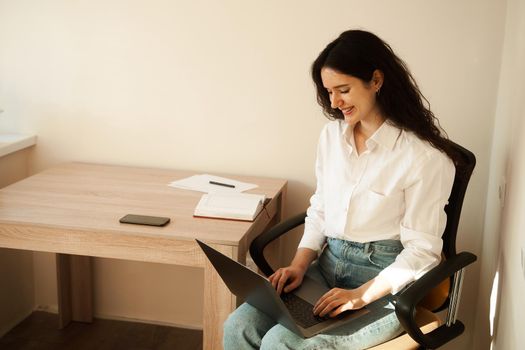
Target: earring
{"x": 378, "y": 91}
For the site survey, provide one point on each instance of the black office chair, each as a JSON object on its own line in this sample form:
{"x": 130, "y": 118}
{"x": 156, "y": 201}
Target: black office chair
{"x": 437, "y": 290}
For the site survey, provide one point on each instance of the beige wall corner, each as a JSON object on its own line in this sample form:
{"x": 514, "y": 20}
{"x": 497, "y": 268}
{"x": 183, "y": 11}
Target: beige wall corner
{"x": 501, "y": 306}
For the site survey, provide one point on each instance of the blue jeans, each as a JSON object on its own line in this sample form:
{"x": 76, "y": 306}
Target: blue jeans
{"x": 342, "y": 264}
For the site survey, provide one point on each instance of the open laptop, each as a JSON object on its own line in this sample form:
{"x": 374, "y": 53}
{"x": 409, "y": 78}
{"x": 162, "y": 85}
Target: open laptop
{"x": 293, "y": 310}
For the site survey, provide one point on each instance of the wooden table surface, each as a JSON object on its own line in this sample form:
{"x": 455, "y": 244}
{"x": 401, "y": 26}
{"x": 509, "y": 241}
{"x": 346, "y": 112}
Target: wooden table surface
{"x": 74, "y": 208}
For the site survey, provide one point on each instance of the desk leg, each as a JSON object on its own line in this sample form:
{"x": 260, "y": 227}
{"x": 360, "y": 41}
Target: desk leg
{"x": 218, "y": 303}
{"x": 75, "y": 290}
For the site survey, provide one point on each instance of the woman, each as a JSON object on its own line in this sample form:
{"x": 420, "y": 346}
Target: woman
{"x": 384, "y": 174}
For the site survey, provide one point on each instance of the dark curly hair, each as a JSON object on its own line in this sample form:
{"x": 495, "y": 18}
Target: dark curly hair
{"x": 359, "y": 53}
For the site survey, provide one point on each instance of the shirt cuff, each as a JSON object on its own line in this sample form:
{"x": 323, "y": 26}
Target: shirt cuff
{"x": 398, "y": 275}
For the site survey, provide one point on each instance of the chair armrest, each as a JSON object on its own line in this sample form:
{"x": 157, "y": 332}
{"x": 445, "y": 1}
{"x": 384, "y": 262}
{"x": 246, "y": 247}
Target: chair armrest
{"x": 407, "y": 300}
{"x": 260, "y": 242}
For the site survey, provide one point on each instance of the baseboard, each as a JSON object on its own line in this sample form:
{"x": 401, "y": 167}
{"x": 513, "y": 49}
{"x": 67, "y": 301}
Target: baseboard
{"x": 158, "y": 323}
{"x": 54, "y": 309}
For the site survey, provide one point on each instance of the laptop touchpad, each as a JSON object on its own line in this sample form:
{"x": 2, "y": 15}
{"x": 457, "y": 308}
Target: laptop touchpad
{"x": 310, "y": 290}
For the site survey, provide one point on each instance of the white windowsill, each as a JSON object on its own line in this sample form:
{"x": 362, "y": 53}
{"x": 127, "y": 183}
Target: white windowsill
{"x": 10, "y": 143}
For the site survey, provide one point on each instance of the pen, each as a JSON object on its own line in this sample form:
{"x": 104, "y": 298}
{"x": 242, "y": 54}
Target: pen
{"x": 221, "y": 184}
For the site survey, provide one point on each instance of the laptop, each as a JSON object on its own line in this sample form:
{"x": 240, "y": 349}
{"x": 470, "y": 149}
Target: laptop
{"x": 293, "y": 310}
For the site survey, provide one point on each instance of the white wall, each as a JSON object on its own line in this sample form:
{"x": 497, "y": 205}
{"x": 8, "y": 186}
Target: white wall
{"x": 504, "y": 238}
{"x": 224, "y": 86}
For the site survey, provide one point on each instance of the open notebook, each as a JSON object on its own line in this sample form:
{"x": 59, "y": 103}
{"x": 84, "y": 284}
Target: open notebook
{"x": 236, "y": 206}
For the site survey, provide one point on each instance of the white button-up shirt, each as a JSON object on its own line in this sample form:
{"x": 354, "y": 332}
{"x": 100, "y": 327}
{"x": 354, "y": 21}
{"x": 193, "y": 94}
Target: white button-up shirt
{"x": 396, "y": 189}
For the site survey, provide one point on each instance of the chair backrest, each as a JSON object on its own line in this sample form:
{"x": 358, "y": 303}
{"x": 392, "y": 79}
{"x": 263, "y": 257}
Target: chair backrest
{"x": 438, "y": 298}
{"x": 464, "y": 170}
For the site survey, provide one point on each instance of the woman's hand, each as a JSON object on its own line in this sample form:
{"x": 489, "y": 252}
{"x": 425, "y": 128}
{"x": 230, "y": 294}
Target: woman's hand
{"x": 338, "y": 300}
{"x": 291, "y": 277}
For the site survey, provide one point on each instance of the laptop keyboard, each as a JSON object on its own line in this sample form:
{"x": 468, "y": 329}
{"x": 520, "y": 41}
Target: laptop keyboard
{"x": 301, "y": 310}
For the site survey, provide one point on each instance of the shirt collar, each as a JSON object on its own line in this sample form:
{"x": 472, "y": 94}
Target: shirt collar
{"x": 386, "y": 135}
{"x": 348, "y": 135}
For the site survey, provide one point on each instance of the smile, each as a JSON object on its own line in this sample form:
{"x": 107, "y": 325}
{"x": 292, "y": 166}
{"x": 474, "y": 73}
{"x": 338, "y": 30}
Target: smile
{"x": 347, "y": 111}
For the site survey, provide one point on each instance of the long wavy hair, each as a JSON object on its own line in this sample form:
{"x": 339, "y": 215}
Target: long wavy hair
{"x": 359, "y": 53}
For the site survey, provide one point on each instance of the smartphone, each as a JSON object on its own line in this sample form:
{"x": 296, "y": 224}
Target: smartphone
{"x": 144, "y": 220}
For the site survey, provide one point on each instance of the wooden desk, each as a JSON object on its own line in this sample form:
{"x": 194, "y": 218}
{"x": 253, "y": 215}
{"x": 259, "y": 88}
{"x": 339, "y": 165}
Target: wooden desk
{"x": 73, "y": 210}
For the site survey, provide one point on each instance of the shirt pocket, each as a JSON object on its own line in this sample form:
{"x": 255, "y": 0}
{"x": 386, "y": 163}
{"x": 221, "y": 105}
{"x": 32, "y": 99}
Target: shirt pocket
{"x": 380, "y": 208}
{"x": 385, "y": 198}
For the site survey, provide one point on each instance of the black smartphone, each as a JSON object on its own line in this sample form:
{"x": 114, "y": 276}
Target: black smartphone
{"x": 144, "y": 220}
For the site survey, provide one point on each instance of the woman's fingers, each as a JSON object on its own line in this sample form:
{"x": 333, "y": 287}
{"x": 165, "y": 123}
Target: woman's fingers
{"x": 274, "y": 279}
{"x": 278, "y": 279}
{"x": 337, "y": 311}
{"x": 329, "y": 306}
{"x": 285, "y": 279}
{"x": 333, "y": 303}
{"x": 282, "y": 281}
{"x": 323, "y": 302}
{"x": 294, "y": 283}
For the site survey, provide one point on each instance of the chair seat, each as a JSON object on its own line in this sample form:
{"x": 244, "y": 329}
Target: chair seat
{"x": 427, "y": 322}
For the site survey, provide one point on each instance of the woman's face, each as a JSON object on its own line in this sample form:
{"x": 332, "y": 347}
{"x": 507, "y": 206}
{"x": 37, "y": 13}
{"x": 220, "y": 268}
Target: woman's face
{"x": 354, "y": 97}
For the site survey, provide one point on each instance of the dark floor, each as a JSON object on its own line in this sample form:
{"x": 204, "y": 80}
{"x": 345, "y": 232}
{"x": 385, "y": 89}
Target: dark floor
{"x": 39, "y": 332}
